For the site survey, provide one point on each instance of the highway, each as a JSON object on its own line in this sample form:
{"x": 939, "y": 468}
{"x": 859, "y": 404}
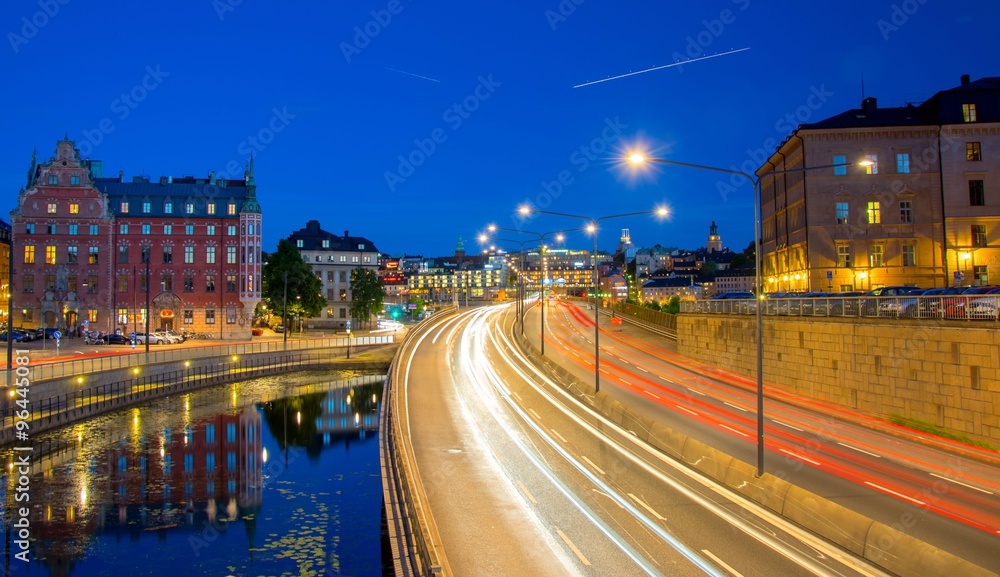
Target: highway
{"x": 889, "y": 474}
{"x": 523, "y": 478}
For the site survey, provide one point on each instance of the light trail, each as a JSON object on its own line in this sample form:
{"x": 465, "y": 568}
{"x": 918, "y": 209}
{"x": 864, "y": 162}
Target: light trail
{"x": 655, "y": 68}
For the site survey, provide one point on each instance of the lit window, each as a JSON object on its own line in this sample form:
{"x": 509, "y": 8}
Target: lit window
{"x": 210, "y": 283}
{"x": 230, "y": 283}
{"x": 29, "y": 229}
{"x": 147, "y": 207}
{"x": 71, "y": 255}
{"x": 298, "y": 243}
{"x": 209, "y": 317}
{"x": 94, "y": 230}
{"x": 979, "y": 235}
{"x": 871, "y": 162}
{"x": 189, "y": 229}
{"x": 231, "y": 208}
{"x": 210, "y": 207}
{"x": 29, "y": 254}
{"x": 343, "y": 258}
{"x": 168, "y": 229}
{"x": 122, "y": 229}
{"x": 230, "y": 255}
{"x": 52, "y": 208}
{"x": 231, "y": 230}
{"x": 909, "y": 255}
{"x": 354, "y": 259}
{"x": 874, "y": 212}
{"x": 210, "y": 230}
{"x": 122, "y": 316}
{"x": 905, "y": 211}
{"x": 145, "y": 229}
{"x": 977, "y": 193}
{"x": 74, "y": 208}
{"x": 973, "y": 151}
{"x": 210, "y": 255}
{"x": 188, "y": 254}
{"x": 92, "y": 256}
{"x": 969, "y": 112}
{"x": 189, "y": 320}
{"x": 74, "y": 229}
{"x": 903, "y": 162}
{"x": 326, "y": 243}
{"x": 189, "y": 208}
{"x": 875, "y": 257}
{"x": 50, "y": 254}
{"x": 168, "y": 207}
{"x": 124, "y": 207}
{"x": 980, "y": 276}
{"x": 92, "y": 315}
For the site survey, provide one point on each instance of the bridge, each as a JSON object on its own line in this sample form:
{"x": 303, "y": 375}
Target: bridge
{"x": 501, "y": 460}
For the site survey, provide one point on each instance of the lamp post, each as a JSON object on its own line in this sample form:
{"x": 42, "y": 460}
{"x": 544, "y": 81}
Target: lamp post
{"x": 147, "y": 259}
{"x": 592, "y": 228}
{"x": 284, "y": 313}
{"x": 639, "y": 158}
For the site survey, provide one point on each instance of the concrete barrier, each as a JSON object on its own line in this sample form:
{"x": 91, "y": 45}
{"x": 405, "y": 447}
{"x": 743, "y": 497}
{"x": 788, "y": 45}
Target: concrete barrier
{"x": 904, "y": 555}
{"x": 709, "y": 460}
{"x": 823, "y": 517}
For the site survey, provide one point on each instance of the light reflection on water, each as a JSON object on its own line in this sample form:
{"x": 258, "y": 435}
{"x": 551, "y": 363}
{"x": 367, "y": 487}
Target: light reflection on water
{"x": 272, "y": 476}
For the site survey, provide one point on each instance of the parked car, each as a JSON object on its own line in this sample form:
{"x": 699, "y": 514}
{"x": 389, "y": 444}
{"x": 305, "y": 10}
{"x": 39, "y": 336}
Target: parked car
{"x": 140, "y": 339}
{"x": 16, "y": 336}
{"x": 874, "y": 299}
{"x": 178, "y": 336}
{"x": 167, "y": 337}
{"x": 985, "y": 307}
{"x": 901, "y": 306}
{"x": 115, "y": 340}
{"x": 959, "y": 306}
{"x": 279, "y": 329}
{"x": 845, "y": 304}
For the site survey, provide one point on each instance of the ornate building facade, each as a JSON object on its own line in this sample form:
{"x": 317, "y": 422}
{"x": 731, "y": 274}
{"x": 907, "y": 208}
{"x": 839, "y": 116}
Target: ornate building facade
{"x": 91, "y": 251}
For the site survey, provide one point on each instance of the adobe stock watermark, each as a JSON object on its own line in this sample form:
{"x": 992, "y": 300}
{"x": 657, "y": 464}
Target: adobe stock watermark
{"x": 454, "y": 117}
{"x": 32, "y": 25}
{"x": 563, "y": 11}
{"x": 899, "y": 15}
{"x": 122, "y": 107}
{"x": 364, "y": 34}
{"x": 785, "y": 124}
{"x": 581, "y": 158}
{"x": 711, "y": 31}
{"x": 223, "y": 7}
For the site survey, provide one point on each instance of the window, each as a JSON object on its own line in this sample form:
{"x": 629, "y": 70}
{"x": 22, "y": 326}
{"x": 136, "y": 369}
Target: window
{"x": 906, "y": 211}
{"x": 251, "y": 229}
{"x": 145, "y": 255}
{"x": 168, "y": 254}
{"x": 874, "y": 212}
{"x": 903, "y": 162}
{"x": 231, "y": 208}
{"x": 230, "y": 255}
{"x": 74, "y": 180}
{"x": 875, "y": 256}
{"x": 188, "y": 254}
{"x": 979, "y": 235}
{"x": 210, "y": 230}
{"x": 343, "y": 313}
{"x": 188, "y": 283}
{"x": 123, "y": 254}
{"x": 231, "y": 316}
{"x": 330, "y": 276}
{"x": 145, "y": 229}
{"x": 844, "y": 256}
{"x": 209, "y": 316}
{"x": 74, "y": 229}
{"x": 92, "y": 315}
{"x": 71, "y": 283}
{"x": 167, "y": 283}
{"x": 147, "y": 207}
{"x": 28, "y": 281}
{"x": 298, "y": 243}
{"x": 122, "y": 229}
{"x": 52, "y": 208}
{"x": 977, "y": 193}
{"x": 368, "y": 259}
{"x": 909, "y": 255}
{"x": 230, "y": 283}
{"x": 189, "y": 229}
{"x": 123, "y": 283}
{"x": 211, "y": 208}
{"x": 50, "y": 254}
{"x": 973, "y": 151}
{"x": 29, "y": 229}
{"x": 872, "y": 164}
{"x": 189, "y": 320}
{"x": 92, "y": 284}
{"x": 326, "y": 243}
{"x": 969, "y": 112}
{"x": 74, "y": 208}
{"x": 210, "y": 462}
{"x": 343, "y": 258}
{"x": 94, "y": 230}
{"x": 343, "y": 276}
{"x": 122, "y": 316}
{"x": 124, "y": 207}
{"x": 343, "y": 294}
{"x": 71, "y": 255}
{"x": 92, "y": 255}
{"x": 980, "y": 277}
{"x": 231, "y": 230}
{"x": 361, "y": 246}
{"x": 168, "y": 207}
{"x": 29, "y": 254}
{"x": 53, "y": 179}
{"x": 210, "y": 283}
{"x": 354, "y": 259}
{"x": 189, "y": 208}
{"x": 210, "y": 254}
{"x": 51, "y": 228}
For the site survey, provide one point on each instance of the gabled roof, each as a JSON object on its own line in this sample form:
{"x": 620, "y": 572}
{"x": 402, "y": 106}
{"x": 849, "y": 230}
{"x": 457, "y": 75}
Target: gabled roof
{"x": 312, "y": 237}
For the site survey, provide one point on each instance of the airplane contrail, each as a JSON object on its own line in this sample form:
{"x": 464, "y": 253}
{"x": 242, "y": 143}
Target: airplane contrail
{"x": 411, "y": 74}
{"x": 660, "y": 67}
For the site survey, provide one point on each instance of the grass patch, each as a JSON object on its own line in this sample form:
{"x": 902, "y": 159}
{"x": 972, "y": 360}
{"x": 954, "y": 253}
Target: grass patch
{"x": 933, "y": 429}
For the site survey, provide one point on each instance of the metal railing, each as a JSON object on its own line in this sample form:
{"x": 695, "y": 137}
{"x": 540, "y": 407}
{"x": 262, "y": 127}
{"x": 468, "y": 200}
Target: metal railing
{"x": 939, "y": 307}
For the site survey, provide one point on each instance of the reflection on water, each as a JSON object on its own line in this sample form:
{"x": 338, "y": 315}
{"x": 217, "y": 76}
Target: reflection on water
{"x": 273, "y": 476}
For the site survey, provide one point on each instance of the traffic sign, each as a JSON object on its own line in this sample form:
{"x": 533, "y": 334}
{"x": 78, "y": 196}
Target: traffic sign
{"x": 56, "y": 335}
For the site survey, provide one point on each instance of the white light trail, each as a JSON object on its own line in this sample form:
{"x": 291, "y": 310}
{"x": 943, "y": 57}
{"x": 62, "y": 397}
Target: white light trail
{"x": 655, "y": 68}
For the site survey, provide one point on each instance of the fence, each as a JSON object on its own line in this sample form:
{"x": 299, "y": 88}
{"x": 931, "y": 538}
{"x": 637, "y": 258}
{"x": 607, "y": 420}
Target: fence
{"x": 939, "y": 307}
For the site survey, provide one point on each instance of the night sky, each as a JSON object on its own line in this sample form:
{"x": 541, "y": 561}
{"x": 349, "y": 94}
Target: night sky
{"x": 412, "y": 122}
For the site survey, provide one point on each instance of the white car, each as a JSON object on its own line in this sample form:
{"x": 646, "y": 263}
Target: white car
{"x": 154, "y": 339}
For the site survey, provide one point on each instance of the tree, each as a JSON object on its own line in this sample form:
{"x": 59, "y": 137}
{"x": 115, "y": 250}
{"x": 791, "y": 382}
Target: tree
{"x": 673, "y": 305}
{"x": 303, "y": 287}
{"x": 367, "y": 294}
{"x": 709, "y": 268}
{"x": 420, "y": 305}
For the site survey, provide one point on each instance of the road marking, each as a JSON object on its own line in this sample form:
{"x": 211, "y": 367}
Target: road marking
{"x": 725, "y": 566}
{"x": 646, "y": 507}
{"x": 624, "y": 361}
{"x": 777, "y": 422}
{"x": 692, "y": 390}
{"x": 624, "y": 382}
{"x": 861, "y": 450}
{"x": 593, "y": 464}
{"x": 605, "y": 372}
{"x": 574, "y": 354}
{"x": 686, "y": 410}
{"x": 534, "y": 414}
{"x": 516, "y": 396}
{"x": 641, "y": 369}
{"x": 662, "y": 378}
{"x": 654, "y": 395}
{"x": 891, "y": 492}
{"x": 800, "y": 457}
{"x": 556, "y": 433}
{"x": 738, "y": 408}
{"x": 527, "y": 492}
{"x": 733, "y": 430}
{"x": 573, "y": 547}
{"x": 588, "y": 362}
{"x": 962, "y": 484}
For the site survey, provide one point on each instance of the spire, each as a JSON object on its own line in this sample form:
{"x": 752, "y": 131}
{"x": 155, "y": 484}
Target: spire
{"x": 34, "y": 165}
{"x": 250, "y": 205}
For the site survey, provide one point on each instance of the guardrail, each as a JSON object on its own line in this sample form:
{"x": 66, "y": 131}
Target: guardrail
{"x": 939, "y": 307}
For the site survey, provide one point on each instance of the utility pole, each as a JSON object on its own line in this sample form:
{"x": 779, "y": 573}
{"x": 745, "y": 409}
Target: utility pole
{"x": 284, "y": 312}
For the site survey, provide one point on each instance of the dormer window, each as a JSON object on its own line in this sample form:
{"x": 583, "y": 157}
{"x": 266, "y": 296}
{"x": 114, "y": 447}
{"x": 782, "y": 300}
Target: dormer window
{"x": 124, "y": 207}
{"x": 231, "y": 208}
{"x": 74, "y": 180}
{"x": 969, "y": 112}
{"x": 298, "y": 243}
{"x": 189, "y": 208}
{"x": 211, "y": 208}
{"x": 326, "y": 244}
{"x": 168, "y": 207}
{"x": 53, "y": 179}
{"x": 361, "y": 246}
{"x": 147, "y": 207}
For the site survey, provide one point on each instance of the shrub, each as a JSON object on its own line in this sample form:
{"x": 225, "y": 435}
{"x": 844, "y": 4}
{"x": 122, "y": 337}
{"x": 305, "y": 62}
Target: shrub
{"x": 257, "y": 332}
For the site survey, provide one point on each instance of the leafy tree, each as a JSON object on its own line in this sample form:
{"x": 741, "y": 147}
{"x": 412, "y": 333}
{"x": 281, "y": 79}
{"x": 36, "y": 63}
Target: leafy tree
{"x": 652, "y": 305}
{"x": 673, "y": 305}
{"x": 709, "y": 268}
{"x": 304, "y": 288}
{"x": 367, "y": 295}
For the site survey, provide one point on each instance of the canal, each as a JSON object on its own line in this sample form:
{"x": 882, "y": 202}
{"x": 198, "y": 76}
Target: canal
{"x": 271, "y": 476}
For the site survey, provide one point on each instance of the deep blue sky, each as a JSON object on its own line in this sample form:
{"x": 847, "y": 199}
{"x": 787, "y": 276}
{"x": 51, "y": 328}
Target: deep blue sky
{"x": 225, "y": 70}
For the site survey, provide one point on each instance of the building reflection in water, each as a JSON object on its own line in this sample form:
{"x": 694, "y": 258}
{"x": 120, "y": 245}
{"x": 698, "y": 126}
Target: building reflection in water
{"x": 197, "y": 464}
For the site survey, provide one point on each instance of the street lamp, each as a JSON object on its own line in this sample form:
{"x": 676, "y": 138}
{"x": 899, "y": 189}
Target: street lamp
{"x": 284, "y": 313}
{"x": 592, "y": 228}
{"x": 519, "y": 302}
{"x": 638, "y": 158}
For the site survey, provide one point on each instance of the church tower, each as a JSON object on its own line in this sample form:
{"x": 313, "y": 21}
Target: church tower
{"x": 714, "y": 240}
{"x": 460, "y": 250}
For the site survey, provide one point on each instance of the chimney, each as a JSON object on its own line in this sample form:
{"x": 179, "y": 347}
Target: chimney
{"x": 347, "y": 233}
{"x": 965, "y": 79}
{"x": 211, "y": 178}
{"x": 312, "y": 225}
{"x": 163, "y": 180}
{"x": 869, "y": 105}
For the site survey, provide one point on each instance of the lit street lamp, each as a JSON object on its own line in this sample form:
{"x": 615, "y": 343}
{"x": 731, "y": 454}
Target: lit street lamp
{"x": 639, "y": 158}
{"x": 592, "y": 228}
